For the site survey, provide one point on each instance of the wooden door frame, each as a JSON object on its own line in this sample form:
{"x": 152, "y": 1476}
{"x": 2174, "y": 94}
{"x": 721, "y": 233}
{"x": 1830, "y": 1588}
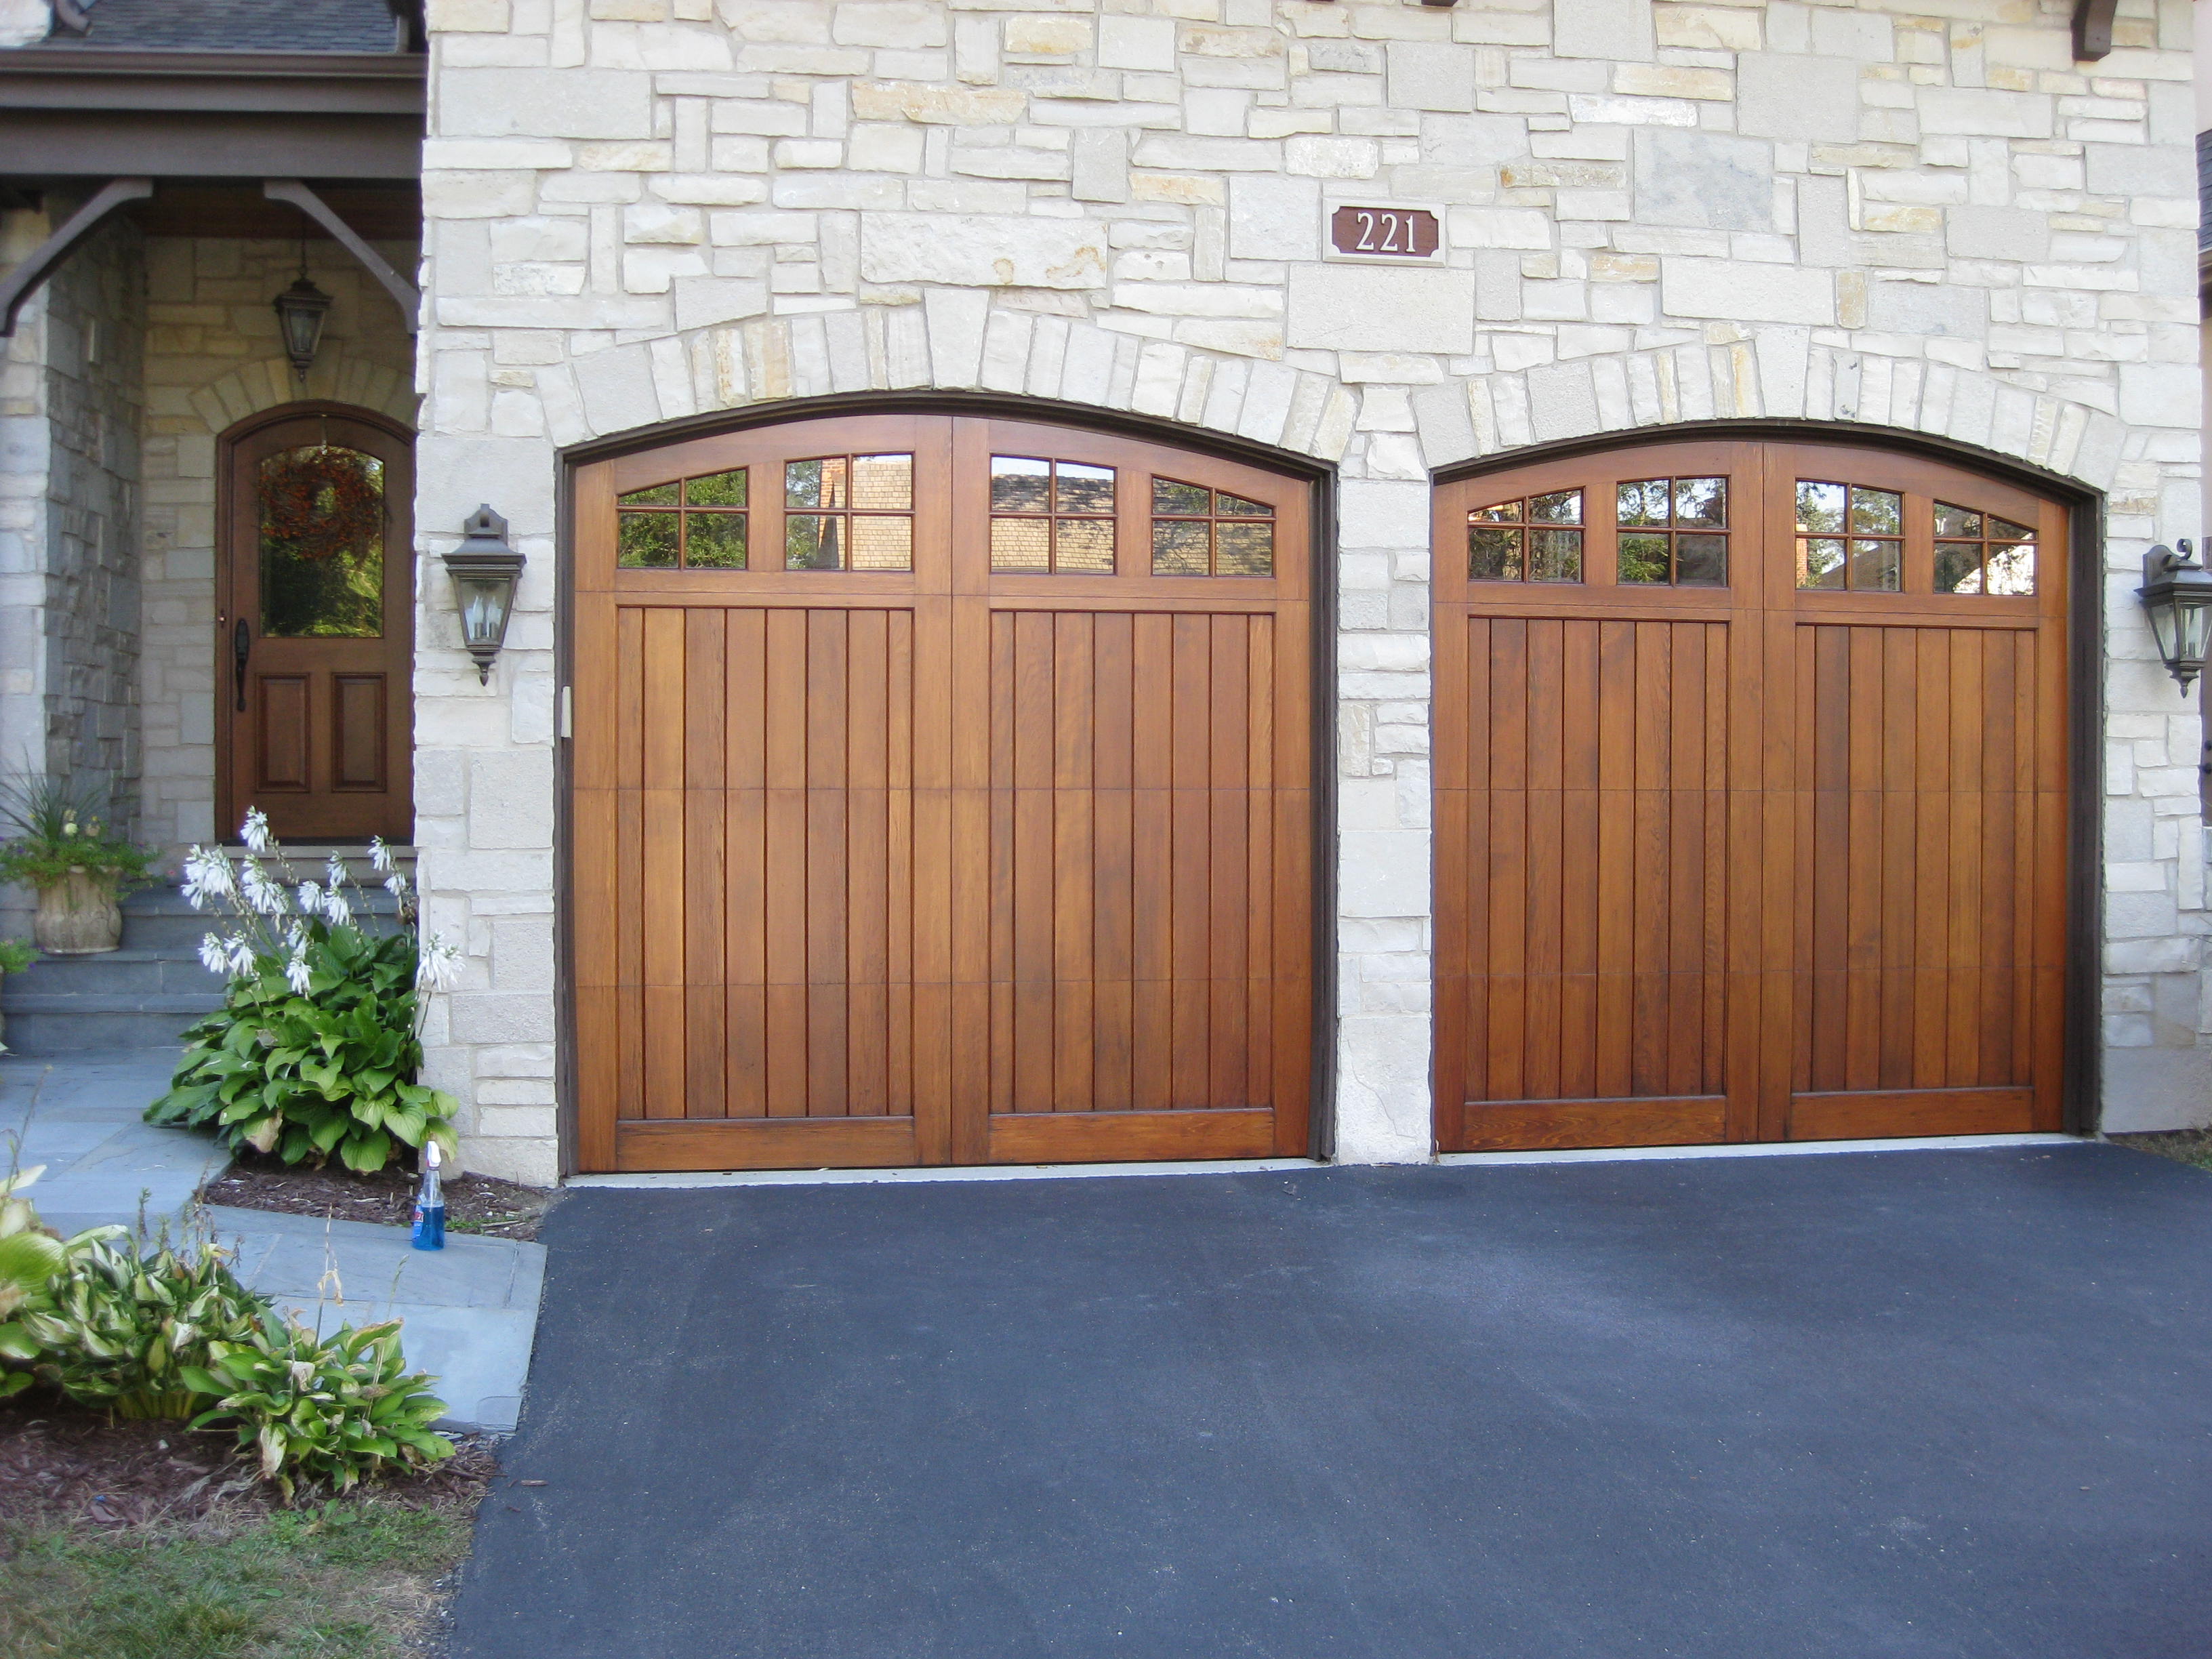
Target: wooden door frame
{"x": 1318, "y": 476}
{"x": 2082, "y": 1084}
{"x": 227, "y": 445}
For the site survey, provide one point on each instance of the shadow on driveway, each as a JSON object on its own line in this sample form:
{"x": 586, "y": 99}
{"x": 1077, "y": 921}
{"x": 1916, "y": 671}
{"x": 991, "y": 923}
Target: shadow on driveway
{"x": 1951, "y": 1404}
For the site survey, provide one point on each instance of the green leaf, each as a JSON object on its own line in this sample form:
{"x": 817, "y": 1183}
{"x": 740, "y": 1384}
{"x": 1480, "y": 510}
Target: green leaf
{"x": 365, "y": 1152}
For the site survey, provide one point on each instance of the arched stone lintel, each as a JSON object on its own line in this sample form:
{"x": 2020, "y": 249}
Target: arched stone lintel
{"x": 956, "y": 341}
{"x": 335, "y": 378}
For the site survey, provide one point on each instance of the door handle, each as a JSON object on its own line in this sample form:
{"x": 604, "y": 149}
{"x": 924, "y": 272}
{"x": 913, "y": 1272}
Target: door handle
{"x": 242, "y": 646}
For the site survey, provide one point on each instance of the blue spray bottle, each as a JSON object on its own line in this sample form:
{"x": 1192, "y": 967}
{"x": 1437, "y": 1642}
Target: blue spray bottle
{"x": 430, "y": 1204}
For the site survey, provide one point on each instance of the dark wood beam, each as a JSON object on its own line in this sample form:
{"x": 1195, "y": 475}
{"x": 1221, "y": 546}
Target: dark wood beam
{"x": 402, "y": 291}
{"x": 20, "y": 283}
{"x": 2092, "y": 29}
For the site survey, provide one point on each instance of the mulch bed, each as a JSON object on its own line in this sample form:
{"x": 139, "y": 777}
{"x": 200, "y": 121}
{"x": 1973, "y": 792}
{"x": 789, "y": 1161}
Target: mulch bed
{"x": 474, "y": 1203}
{"x": 62, "y": 1462}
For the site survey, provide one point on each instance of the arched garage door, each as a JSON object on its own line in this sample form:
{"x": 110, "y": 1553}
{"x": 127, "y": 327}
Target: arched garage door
{"x": 942, "y": 794}
{"x": 1751, "y": 798}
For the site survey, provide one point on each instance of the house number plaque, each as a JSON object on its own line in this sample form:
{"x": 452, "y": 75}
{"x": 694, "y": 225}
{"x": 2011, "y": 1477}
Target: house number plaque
{"x": 1385, "y": 233}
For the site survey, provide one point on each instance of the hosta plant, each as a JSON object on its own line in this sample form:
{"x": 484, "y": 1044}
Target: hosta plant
{"x": 32, "y": 1258}
{"x": 317, "y": 1409}
{"x": 314, "y": 1052}
{"x": 121, "y": 1328}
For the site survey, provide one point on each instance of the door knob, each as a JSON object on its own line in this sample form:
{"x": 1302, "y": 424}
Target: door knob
{"x": 242, "y": 646}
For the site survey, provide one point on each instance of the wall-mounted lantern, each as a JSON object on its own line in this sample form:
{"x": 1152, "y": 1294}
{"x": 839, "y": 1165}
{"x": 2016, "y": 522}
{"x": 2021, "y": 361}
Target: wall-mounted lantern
{"x": 2177, "y": 592}
{"x": 485, "y": 569}
{"x": 300, "y": 312}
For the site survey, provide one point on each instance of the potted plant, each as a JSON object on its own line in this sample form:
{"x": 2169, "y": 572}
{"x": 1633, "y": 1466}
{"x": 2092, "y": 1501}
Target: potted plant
{"x": 14, "y": 957}
{"x": 63, "y": 848}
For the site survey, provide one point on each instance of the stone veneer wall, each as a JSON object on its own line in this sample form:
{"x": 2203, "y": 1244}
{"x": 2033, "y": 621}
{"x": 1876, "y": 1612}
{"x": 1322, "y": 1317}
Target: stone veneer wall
{"x": 213, "y": 357}
{"x": 71, "y": 399}
{"x": 644, "y": 210}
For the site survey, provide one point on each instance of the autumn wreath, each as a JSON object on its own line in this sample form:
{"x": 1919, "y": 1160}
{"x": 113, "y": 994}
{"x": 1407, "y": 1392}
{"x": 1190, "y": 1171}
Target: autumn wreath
{"x": 322, "y": 500}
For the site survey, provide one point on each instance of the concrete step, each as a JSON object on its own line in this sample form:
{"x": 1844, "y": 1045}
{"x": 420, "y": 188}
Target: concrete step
{"x": 146, "y": 994}
{"x": 163, "y": 919}
{"x": 76, "y": 1030}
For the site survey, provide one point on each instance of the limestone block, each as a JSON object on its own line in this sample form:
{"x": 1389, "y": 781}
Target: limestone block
{"x": 1137, "y": 43}
{"x": 1312, "y": 157}
{"x": 906, "y": 24}
{"x": 1099, "y": 163}
{"x": 2133, "y": 170}
{"x": 1714, "y": 28}
{"x": 884, "y": 146}
{"x": 935, "y": 106}
{"x": 1996, "y": 233}
{"x": 1359, "y": 308}
{"x": 1788, "y": 95}
{"x": 1499, "y": 227}
{"x": 509, "y": 1017}
{"x": 1432, "y": 76}
{"x": 1473, "y": 140}
{"x": 1929, "y": 308}
{"x": 1708, "y": 180}
{"x": 1734, "y": 292}
{"x": 704, "y": 301}
{"x": 564, "y": 103}
{"x": 981, "y": 251}
{"x": 1616, "y": 29}
{"x": 468, "y": 193}
{"x": 2160, "y": 394}
{"x": 1371, "y": 514}
{"x": 1979, "y": 112}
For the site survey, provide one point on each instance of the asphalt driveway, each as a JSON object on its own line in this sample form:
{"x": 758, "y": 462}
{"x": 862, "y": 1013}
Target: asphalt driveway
{"x": 1951, "y": 1404}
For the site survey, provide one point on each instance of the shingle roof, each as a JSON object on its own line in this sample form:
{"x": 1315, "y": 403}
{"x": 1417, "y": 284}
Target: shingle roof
{"x": 234, "y": 25}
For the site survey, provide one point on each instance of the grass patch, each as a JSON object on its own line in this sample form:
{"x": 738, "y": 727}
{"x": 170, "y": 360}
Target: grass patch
{"x": 2183, "y": 1145}
{"x": 348, "y": 1579}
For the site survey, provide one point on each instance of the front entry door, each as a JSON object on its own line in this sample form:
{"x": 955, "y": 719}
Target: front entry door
{"x": 315, "y": 626}
{"x": 1752, "y": 798}
{"x": 942, "y": 794}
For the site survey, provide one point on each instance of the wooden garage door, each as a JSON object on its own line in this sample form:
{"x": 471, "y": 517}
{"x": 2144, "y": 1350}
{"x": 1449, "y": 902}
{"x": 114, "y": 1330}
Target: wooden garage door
{"x": 942, "y": 794}
{"x": 1752, "y": 797}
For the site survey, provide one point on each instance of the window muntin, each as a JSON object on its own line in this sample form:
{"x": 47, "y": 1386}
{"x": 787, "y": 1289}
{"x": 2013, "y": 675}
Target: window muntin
{"x": 1537, "y": 538}
{"x": 322, "y": 517}
{"x": 1051, "y": 517}
{"x": 1849, "y": 537}
{"x": 689, "y": 524}
{"x": 1199, "y": 532}
{"x": 1978, "y": 552}
{"x": 848, "y": 513}
{"x": 1673, "y": 531}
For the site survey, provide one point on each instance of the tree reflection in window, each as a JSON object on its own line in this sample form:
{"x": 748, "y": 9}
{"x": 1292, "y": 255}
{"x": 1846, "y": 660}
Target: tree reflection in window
{"x": 322, "y": 544}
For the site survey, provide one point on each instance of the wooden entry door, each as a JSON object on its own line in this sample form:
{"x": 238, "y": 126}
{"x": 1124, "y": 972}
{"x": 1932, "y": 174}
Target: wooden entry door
{"x": 1751, "y": 798}
{"x": 941, "y": 794}
{"x": 315, "y": 626}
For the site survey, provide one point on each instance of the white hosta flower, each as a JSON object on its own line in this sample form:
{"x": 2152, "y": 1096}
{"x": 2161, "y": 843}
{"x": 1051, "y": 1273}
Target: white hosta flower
{"x": 214, "y": 955}
{"x": 437, "y": 964}
{"x": 263, "y": 891}
{"x": 379, "y": 855}
{"x": 254, "y": 832}
{"x": 335, "y": 874}
{"x": 208, "y": 875}
{"x": 336, "y": 910}
{"x": 244, "y": 959}
{"x": 396, "y": 884}
{"x": 311, "y": 899}
{"x": 295, "y": 972}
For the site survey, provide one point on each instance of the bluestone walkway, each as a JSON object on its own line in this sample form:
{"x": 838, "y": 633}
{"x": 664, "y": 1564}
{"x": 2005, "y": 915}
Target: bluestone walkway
{"x": 1934, "y": 1404}
{"x": 470, "y": 1309}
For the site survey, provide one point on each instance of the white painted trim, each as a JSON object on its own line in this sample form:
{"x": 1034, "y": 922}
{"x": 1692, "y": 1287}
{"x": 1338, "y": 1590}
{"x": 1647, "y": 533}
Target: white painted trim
{"x": 1763, "y": 1149}
{"x": 685, "y": 1179}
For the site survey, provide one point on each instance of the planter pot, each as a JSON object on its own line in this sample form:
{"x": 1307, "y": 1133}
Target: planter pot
{"x": 77, "y": 916}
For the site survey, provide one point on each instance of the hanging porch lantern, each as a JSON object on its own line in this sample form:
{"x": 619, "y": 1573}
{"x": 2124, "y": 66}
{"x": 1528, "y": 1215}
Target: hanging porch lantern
{"x": 2177, "y": 592}
{"x": 300, "y": 312}
{"x": 485, "y": 569}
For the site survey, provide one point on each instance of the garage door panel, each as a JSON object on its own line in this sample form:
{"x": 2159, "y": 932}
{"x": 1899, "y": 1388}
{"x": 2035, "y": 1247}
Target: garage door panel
{"x": 1821, "y": 876}
{"x": 950, "y": 845}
